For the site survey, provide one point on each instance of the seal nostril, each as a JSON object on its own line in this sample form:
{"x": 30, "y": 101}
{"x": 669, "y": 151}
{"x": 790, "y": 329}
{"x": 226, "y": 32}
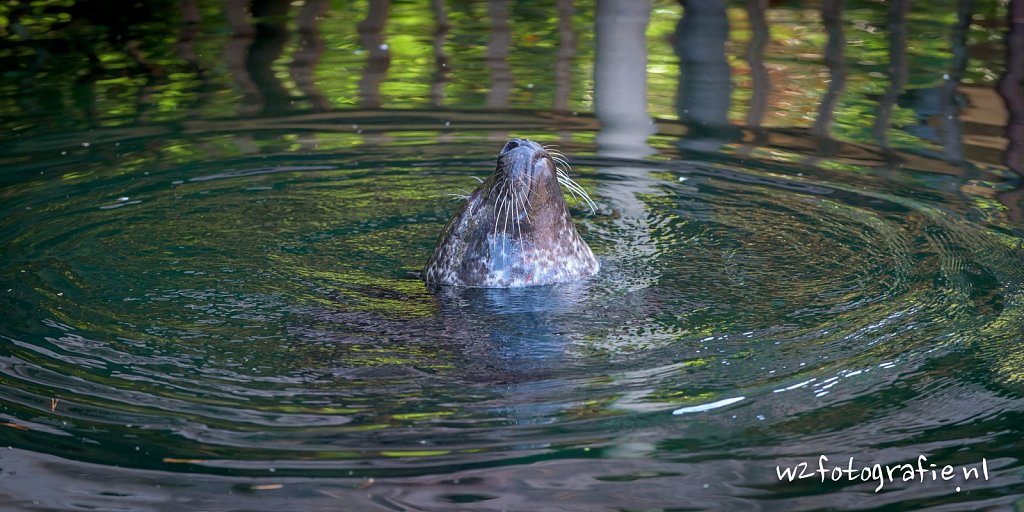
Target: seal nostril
{"x": 511, "y": 144}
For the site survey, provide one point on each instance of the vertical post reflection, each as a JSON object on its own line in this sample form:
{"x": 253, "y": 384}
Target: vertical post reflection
{"x": 378, "y": 58}
{"x": 620, "y": 78}
{"x": 497, "y": 55}
{"x": 832, "y": 17}
{"x": 563, "y": 61}
{"x": 949, "y": 107}
{"x": 441, "y": 61}
{"x": 311, "y": 47}
{"x": 564, "y": 57}
{"x": 268, "y": 46}
{"x": 31, "y": 105}
{"x": 897, "y": 68}
{"x": 191, "y": 24}
{"x": 235, "y": 52}
{"x": 705, "y": 85}
{"x": 190, "y": 20}
{"x": 1011, "y": 88}
{"x": 761, "y": 84}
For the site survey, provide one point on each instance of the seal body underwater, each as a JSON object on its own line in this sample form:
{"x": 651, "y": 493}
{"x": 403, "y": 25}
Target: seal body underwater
{"x": 514, "y": 229}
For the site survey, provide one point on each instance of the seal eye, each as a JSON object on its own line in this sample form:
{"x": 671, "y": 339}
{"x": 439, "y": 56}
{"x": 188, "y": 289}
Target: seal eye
{"x": 511, "y": 144}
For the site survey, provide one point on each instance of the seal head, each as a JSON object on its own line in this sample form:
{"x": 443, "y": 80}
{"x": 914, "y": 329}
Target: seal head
{"x": 514, "y": 229}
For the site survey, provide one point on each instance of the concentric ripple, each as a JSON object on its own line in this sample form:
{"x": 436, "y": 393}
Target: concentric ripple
{"x": 256, "y": 314}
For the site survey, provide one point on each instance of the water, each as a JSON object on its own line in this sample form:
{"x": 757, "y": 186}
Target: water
{"x": 209, "y": 267}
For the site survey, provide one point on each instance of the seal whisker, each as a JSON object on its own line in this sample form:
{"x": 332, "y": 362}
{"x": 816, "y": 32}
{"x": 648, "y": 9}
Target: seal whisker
{"x": 573, "y": 194}
{"x": 571, "y": 190}
{"x": 526, "y": 195}
{"x": 572, "y": 186}
{"x": 508, "y": 207}
{"x": 563, "y": 179}
{"x": 516, "y": 227}
{"x": 497, "y": 211}
{"x": 477, "y": 178}
{"x": 562, "y": 164}
{"x": 524, "y": 200}
{"x": 501, "y": 207}
{"x": 556, "y": 152}
{"x": 547, "y": 147}
{"x": 586, "y": 198}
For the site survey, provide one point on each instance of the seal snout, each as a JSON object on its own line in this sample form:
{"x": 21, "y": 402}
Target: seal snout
{"x": 520, "y": 157}
{"x": 527, "y": 145}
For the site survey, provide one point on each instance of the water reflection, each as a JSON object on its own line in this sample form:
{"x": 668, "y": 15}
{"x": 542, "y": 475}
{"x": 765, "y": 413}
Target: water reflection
{"x": 897, "y": 70}
{"x": 378, "y": 54}
{"x": 497, "y": 55}
{"x": 441, "y": 60}
{"x": 832, "y": 17}
{"x": 705, "y": 83}
{"x": 214, "y": 221}
{"x": 566, "y": 53}
{"x": 307, "y": 56}
{"x": 620, "y": 78}
{"x": 266, "y": 32}
{"x": 950, "y": 100}
{"x": 1011, "y": 88}
{"x": 754, "y": 55}
{"x": 266, "y": 47}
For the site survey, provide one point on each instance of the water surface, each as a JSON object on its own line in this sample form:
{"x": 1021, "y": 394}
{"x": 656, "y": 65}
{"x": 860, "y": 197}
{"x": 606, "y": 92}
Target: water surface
{"x": 211, "y": 246}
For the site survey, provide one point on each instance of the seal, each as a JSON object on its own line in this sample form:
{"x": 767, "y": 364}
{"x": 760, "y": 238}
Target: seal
{"x": 515, "y": 229}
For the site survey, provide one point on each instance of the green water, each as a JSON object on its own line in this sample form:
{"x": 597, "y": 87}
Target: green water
{"x": 211, "y": 233}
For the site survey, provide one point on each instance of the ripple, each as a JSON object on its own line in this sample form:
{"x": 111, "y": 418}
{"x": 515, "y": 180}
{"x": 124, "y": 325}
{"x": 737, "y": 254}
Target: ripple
{"x": 244, "y": 316}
